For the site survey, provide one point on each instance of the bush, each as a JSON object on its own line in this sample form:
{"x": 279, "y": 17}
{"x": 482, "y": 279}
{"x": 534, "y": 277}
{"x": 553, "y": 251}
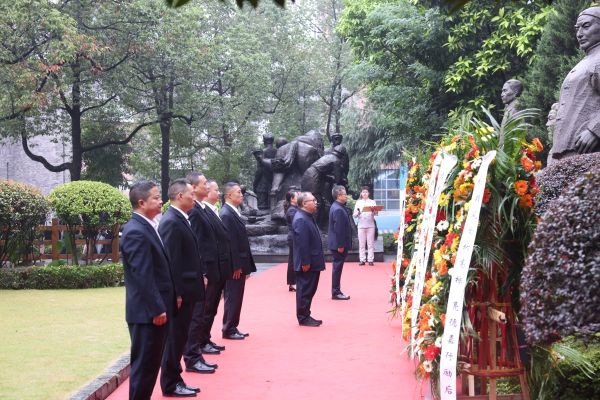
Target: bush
{"x": 554, "y": 179}
{"x": 62, "y": 277}
{"x": 95, "y": 206}
{"x": 560, "y": 289}
{"x": 22, "y": 209}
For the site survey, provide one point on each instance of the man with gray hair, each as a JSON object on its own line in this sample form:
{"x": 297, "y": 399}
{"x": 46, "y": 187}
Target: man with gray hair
{"x": 339, "y": 239}
{"x": 577, "y": 129}
{"x": 309, "y": 259}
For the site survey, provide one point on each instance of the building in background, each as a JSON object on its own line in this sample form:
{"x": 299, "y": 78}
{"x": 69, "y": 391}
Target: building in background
{"x": 17, "y": 166}
{"x": 387, "y": 185}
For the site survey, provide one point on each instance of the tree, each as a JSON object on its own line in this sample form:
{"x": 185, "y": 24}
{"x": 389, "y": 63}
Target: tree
{"x": 402, "y": 65}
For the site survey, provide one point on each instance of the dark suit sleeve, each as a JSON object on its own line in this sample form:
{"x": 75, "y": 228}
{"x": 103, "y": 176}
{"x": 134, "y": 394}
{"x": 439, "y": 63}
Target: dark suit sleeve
{"x": 339, "y": 227}
{"x": 136, "y": 247}
{"x": 302, "y": 239}
{"x": 230, "y": 225}
{"x": 173, "y": 240}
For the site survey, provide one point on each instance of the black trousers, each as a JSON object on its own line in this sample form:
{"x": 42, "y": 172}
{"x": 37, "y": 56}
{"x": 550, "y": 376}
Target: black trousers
{"x": 232, "y": 309}
{"x": 147, "y": 345}
{"x": 336, "y": 272}
{"x": 306, "y": 287}
{"x": 170, "y": 369}
{"x": 291, "y": 275}
{"x": 192, "y": 352}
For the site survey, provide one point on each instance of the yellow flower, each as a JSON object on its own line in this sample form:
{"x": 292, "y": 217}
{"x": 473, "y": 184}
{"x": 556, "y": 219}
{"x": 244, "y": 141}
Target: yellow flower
{"x": 454, "y": 245}
{"x": 444, "y": 198}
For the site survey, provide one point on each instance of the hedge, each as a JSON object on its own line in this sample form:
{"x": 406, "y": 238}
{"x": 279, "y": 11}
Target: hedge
{"x": 62, "y": 277}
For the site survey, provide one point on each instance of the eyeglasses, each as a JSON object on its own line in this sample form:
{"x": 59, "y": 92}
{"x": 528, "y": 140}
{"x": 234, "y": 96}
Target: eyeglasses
{"x": 315, "y": 200}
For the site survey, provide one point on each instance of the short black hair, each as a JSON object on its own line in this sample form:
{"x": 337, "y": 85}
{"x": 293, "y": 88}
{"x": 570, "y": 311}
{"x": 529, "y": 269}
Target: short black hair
{"x": 140, "y": 191}
{"x": 193, "y": 177}
{"x": 176, "y": 187}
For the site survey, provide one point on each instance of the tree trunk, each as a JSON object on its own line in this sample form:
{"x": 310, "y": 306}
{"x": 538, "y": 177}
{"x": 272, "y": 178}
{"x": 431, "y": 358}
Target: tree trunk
{"x": 75, "y": 113}
{"x": 165, "y": 134}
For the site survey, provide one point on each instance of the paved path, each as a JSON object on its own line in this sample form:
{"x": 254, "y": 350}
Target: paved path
{"x": 356, "y": 354}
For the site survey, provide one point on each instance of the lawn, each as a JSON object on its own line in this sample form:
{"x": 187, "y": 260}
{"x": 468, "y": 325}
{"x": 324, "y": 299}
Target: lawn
{"x": 52, "y": 342}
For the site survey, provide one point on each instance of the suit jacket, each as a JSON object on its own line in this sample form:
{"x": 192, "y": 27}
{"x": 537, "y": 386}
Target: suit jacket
{"x": 184, "y": 257}
{"x": 308, "y": 248}
{"x": 339, "y": 233}
{"x": 289, "y": 218}
{"x": 149, "y": 289}
{"x": 213, "y": 243}
{"x": 241, "y": 256}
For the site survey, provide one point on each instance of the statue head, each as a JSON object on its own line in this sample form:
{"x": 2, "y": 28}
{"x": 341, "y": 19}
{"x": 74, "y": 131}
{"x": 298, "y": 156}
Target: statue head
{"x": 587, "y": 28}
{"x": 511, "y": 90}
{"x": 336, "y": 139}
{"x": 268, "y": 139}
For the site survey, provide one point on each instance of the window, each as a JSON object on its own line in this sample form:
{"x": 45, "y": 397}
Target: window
{"x": 386, "y": 188}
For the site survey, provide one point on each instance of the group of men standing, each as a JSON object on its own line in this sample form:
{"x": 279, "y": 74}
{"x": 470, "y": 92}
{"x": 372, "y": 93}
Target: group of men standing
{"x": 175, "y": 274}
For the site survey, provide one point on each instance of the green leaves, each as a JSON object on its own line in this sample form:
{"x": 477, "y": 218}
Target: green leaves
{"x": 240, "y": 3}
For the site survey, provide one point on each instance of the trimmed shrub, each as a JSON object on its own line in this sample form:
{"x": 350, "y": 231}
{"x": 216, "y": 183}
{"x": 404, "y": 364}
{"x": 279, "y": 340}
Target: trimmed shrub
{"x": 560, "y": 289}
{"x": 554, "y": 179}
{"x": 95, "y": 206}
{"x": 62, "y": 277}
{"x": 22, "y": 209}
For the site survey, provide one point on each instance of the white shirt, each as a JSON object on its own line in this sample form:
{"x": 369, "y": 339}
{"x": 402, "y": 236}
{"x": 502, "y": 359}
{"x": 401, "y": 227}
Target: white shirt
{"x": 212, "y": 207}
{"x": 235, "y": 208}
{"x": 182, "y": 213}
{"x": 152, "y": 223}
{"x": 366, "y": 219}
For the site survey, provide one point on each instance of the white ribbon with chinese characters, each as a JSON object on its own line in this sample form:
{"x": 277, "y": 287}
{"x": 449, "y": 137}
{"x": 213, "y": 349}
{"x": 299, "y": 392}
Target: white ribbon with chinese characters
{"x": 400, "y": 248}
{"x": 450, "y": 338}
{"x": 442, "y": 167}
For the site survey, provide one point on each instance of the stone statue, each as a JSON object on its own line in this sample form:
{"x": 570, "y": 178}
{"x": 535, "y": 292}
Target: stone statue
{"x": 551, "y": 122}
{"x": 322, "y": 175}
{"x": 511, "y": 90}
{"x": 336, "y": 140}
{"x": 263, "y": 178}
{"x": 577, "y": 128}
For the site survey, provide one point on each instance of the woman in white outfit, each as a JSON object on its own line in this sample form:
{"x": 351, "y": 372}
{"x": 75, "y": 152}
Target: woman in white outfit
{"x": 366, "y": 227}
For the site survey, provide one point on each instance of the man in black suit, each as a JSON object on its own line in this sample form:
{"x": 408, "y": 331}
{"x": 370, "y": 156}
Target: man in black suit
{"x": 212, "y": 241}
{"x": 309, "y": 259}
{"x": 242, "y": 262}
{"x": 186, "y": 269}
{"x": 339, "y": 239}
{"x": 149, "y": 291}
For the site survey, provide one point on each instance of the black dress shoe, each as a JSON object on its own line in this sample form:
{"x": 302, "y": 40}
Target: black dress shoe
{"x": 216, "y": 346}
{"x": 212, "y": 365}
{"x": 371, "y": 263}
{"x": 340, "y": 296}
{"x": 233, "y": 336}
{"x": 193, "y": 388}
{"x": 241, "y": 333}
{"x": 201, "y": 368}
{"x": 361, "y": 263}
{"x": 318, "y": 321}
{"x": 180, "y": 391}
{"x": 208, "y": 349}
{"x": 292, "y": 288}
{"x": 309, "y": 322}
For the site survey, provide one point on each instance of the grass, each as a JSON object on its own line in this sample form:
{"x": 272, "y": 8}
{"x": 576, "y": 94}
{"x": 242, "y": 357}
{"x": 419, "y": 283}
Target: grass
{"x": 52, "y": 342}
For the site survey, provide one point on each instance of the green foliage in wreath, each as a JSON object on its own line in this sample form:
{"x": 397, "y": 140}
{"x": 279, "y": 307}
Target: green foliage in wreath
{"x": 22, "y": 208}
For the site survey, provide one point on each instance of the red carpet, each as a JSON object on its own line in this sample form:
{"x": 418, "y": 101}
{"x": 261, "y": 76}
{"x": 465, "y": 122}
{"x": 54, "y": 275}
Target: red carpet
{"x": 356, "y": 354}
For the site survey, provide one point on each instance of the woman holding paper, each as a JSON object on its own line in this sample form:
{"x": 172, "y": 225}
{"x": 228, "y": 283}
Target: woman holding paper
{"x": 366, "y": 226}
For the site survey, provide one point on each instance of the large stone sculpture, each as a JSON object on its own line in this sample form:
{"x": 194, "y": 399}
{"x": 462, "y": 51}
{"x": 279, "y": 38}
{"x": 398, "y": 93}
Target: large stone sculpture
{"x": 263, "y": 177}
{"x": 577, "y": 129}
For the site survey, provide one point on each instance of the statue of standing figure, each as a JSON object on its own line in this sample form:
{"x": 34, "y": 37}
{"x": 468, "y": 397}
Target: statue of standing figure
{"x": 263, "y": 178}
{"x": 577, "y": 128}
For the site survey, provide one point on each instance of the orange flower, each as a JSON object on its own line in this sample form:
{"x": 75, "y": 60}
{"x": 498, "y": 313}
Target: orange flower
{"x": 538, "y": 165}
{"x": 442, "y": 267}
{"x": 538, "y": 145}
{"x": 521, "y": 187}
{"x": 526, "y": 163}
{"x": 405, "y": 262}
{"x": 487, "y": 194}
{"x": 526, "y": 201}
{"x": 443, "y": 320}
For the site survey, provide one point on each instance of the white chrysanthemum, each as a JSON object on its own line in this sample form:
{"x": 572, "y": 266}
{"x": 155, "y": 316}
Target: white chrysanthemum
{"x": 442, "y": 225}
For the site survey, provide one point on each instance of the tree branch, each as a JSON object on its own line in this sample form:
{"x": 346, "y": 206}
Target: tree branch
{"x": 50, "y": 167}
{"x": 119, "y": 142}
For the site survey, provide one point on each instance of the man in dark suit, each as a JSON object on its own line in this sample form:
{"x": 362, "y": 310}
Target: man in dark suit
{"x": 242, "y": 262}
{"x": 149, "y": 291}
{"x": 214, "y": 246}
{"x": 309, "y": 259}
{"x": 339, "y": 239}
{"x": 186, "y": 269}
